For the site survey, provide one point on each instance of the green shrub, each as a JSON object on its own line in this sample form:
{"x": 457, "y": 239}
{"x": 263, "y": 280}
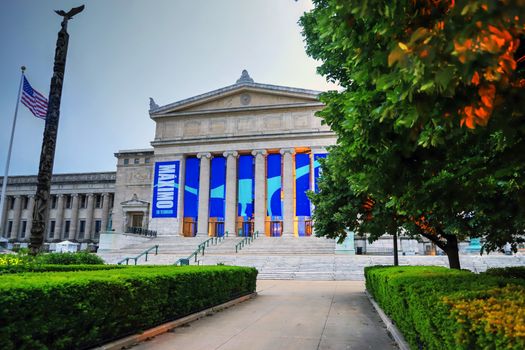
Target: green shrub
{"x": 510, "y": 272}
{"x": 80, "y": 258}
{"x": 428, "y": 305}
{"x": 21, "y": 268}
{"x": 64, "y": 310}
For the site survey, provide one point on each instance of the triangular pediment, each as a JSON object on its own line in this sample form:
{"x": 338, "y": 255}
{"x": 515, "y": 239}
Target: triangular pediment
{"x": 134, "y": 202}
{"x": 243, "y": 95}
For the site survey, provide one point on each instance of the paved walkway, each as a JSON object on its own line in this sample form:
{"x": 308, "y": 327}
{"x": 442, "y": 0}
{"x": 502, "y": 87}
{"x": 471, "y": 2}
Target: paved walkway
{"x": 287, "y": 315}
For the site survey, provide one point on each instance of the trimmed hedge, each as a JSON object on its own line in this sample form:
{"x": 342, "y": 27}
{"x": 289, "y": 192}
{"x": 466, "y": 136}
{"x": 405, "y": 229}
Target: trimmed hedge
{"x": 510, "y": 272}
{"x": 440, "y": 308}
{"x": 80, "y": 258}
{"x": 62, "y": 310}
{"x": 21, "y": 268}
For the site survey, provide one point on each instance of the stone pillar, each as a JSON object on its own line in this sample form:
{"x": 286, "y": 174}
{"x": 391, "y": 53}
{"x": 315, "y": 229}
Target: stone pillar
{"x": 17, "y": 211}
{"x": 204, "y": 193}
{"x": 4, "y": 217}
{"x": 59, "y": 219}
{"x": 105, "y": 212}
{"x": 260, "y": 190}
{"x": 30, "y": 207}
{"x": 74, "y": 217}
{"x": 231, "y": 192}
{"x": 288, "y": 189}
{"x": 89, "y": 216}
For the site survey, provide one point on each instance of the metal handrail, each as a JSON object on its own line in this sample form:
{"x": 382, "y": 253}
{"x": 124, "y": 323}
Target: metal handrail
{"x": 202, "y": 247}
{"x": 141, "y": 231}
{"x": 156, "y": 247}
{"x": 245, "y": 241}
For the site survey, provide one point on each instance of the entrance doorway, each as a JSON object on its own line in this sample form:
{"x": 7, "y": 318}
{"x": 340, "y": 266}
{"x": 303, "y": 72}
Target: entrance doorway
{"x": 136, "y": 220}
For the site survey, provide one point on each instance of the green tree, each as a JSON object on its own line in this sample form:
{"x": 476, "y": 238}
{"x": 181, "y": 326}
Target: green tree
{"x": 418, "y": 77}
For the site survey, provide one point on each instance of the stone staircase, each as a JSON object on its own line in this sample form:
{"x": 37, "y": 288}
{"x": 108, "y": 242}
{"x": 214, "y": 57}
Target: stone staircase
{"x": 304, "y": 258}
{"x": 171, "y": 248}
{"x": 289, "y": 246}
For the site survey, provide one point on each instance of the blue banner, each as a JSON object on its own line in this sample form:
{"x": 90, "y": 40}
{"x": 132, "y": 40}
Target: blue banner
{"x": 165, "y": 189}
{"x": 217, "y": 187}
{"x": 302, "y": 184}
{"x": 317, "y": 168}
{"x": 273, "y": 185}
{"x": 245, "y": 187}
{"x": 191, "y": 188}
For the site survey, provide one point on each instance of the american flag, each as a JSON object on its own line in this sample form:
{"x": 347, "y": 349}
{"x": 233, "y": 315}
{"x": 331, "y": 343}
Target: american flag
{"x": 34, "y": 100}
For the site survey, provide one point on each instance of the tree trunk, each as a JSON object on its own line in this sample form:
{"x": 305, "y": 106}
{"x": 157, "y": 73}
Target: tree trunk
{"x": 396, "y": 258}
{"x": 451, "y": 248}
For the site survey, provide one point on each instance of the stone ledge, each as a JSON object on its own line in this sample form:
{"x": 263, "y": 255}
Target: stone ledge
{"x": 166, "y": 327}
{"x": 390, "y": 326}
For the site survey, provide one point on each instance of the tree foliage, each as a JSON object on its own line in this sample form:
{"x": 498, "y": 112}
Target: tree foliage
{"x": 430, "y": 121}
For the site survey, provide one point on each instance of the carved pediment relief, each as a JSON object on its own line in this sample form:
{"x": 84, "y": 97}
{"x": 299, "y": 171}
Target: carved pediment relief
{"x": 247, "y": 99}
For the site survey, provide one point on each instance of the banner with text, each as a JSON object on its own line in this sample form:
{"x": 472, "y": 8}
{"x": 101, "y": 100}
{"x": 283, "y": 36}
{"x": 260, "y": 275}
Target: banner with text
{"x": 165, "y": 189}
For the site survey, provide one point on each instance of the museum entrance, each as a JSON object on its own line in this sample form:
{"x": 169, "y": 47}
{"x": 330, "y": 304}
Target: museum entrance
{"x": 189, "y": 227}
{"x": 216, "y": 227}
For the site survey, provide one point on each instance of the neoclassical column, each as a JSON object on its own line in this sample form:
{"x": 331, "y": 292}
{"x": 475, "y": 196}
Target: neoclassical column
{"x": 288, "y": 187}
{"x": 105, "y": 212}
{"x": 17, "y": 211}
{"x": 231, "y": 191}
{"x": 74, "y": 217}
{"x": 89, "y": 215}
{"x": 204, "y": 193}
{"x": 260, "y": 190}
{"x": 30, "y": 207}
{"x": 59, "y": 218}
{"x": 4, "y": 217}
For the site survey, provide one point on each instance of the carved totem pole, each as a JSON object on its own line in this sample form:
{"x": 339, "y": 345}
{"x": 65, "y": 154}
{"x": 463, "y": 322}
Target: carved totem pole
{"x": 47, "y": 154}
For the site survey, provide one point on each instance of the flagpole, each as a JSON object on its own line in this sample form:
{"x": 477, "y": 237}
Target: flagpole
{"x": 4, "y": 181}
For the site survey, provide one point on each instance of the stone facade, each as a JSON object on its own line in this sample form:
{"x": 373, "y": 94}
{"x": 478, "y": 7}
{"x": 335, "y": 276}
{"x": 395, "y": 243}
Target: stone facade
{"x": 246, "y": 118}
{"x": 243, "y": 118}
{"x": 80, "y": 207}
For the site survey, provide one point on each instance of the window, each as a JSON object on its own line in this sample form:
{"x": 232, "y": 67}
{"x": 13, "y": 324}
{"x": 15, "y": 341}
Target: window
{"x": 98, "y": 226}
{"x": 23, "y": 228}
{"x": 11, "y": 203}
{"x": 147, "y": 160}
{"x": 52, "y": 229}
{"x": 53, "y": 202}
{"x": 67, "y": 224}
{"x": 82, "y": 229}
{"x": 126, "y": 161}
{"x": 98, "y": 201}
{"x": 24, "y": 202}
{"x": 136, "y": 161}
{"x": 68, "y": 202}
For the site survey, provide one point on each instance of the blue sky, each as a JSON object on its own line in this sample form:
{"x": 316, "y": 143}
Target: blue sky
{"x": 121, "y": 52}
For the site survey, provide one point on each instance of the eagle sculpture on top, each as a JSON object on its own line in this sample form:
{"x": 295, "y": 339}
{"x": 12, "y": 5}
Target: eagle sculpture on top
{"x": 71, "y": 12}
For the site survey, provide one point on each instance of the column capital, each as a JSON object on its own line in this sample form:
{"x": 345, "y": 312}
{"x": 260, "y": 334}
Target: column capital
{"x": 230, "y": 153}
{"x": 16, "y": 196}
{"x": 59, "y": 195}
{"x": 318, "y": 149}
{"x": 204, "y": 155}
{"x": 257, "y": 152}
{"x": 74, "y": 194}
{"x": 290, "y": 150}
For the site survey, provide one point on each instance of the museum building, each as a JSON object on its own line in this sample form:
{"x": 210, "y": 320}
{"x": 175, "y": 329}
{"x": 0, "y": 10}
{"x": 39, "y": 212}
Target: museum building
{"x": 238, "y": 159}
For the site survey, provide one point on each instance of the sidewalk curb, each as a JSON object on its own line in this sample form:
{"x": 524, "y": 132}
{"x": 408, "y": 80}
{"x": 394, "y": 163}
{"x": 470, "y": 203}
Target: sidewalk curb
{"x": 163, "y": 328}
{"x": 390, "y": 326}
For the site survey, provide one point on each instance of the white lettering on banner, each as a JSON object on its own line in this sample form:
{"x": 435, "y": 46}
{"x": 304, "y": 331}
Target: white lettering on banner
{"x": 166, "y": 186}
